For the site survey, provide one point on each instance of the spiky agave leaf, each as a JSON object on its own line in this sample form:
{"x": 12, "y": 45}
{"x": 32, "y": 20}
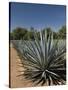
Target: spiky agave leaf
{"x": 44, "y": 60}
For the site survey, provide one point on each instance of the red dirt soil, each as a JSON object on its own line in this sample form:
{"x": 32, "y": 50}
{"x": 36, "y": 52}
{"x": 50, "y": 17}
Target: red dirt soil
{"x": 15, "y": 80}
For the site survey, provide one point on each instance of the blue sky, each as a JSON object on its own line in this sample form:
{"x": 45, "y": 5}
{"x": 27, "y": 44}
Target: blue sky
{"x": 38, "y": 16}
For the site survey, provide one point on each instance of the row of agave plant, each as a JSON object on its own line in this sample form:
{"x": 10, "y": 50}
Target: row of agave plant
{"x": 44, "y": 60}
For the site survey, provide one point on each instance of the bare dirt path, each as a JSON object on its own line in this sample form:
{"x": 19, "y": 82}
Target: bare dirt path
{"x": 15, "y": 80}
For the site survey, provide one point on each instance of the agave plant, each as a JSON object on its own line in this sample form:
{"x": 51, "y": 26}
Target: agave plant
{"x": 44, "y": 60}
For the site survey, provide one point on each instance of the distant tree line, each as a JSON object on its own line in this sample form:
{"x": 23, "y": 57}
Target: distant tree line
{"x": 25, "y": 34}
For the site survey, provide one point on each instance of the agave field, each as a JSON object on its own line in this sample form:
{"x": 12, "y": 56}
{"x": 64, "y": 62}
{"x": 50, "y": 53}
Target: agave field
{"x": 44, "y": 60}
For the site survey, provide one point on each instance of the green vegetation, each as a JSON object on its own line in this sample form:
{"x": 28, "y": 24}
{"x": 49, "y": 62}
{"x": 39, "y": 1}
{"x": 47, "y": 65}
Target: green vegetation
{"x": 43, "y": 54}
{"x": 44, "y": 60}
{"x": 25, "y": 34}
{"x": 62, "y": 33}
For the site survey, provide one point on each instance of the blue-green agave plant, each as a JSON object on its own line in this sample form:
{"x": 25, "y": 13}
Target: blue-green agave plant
{"x": 44, "y": 59}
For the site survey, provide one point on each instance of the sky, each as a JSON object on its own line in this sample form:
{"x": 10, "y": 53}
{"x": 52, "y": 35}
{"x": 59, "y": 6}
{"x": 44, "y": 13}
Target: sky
{"x": 38, "y": 16}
